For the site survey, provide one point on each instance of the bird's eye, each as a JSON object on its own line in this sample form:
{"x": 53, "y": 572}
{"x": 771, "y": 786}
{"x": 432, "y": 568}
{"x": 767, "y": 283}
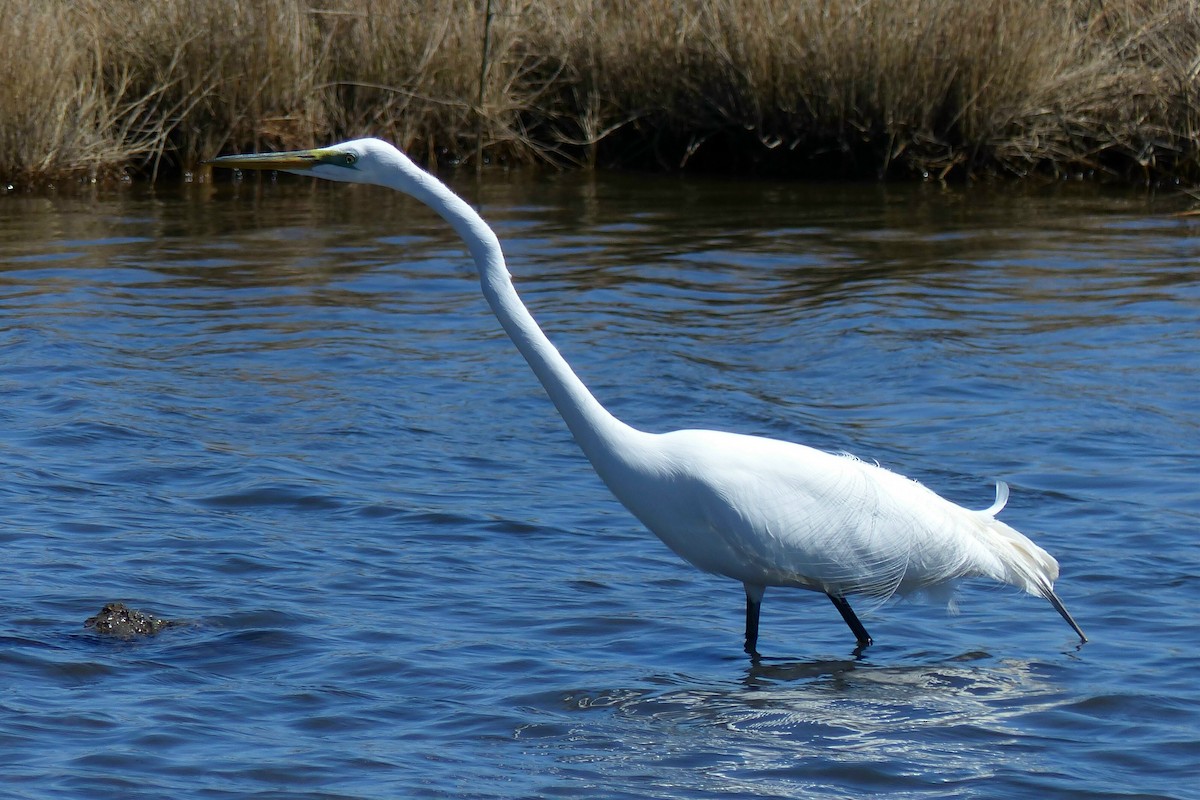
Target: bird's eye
{"x": 349, "y": 159}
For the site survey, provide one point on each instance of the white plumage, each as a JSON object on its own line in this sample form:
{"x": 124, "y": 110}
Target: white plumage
{"x": 760, "y": 511}
{"x": 772, "y": 513}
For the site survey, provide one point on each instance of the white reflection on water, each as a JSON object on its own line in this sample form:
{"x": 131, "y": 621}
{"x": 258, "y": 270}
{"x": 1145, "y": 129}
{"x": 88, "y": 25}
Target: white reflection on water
{"x": 807, "y": 725}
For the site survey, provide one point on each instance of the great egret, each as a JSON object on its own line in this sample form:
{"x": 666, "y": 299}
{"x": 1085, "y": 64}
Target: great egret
{"x": 761, "y": 511}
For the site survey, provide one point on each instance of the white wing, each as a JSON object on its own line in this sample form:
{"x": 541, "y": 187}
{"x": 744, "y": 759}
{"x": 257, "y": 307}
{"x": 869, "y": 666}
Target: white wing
{"x": 779, "y": 514}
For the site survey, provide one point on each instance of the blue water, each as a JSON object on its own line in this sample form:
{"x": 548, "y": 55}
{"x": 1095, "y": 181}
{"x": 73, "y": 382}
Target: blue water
{"x": 282, "y": 414}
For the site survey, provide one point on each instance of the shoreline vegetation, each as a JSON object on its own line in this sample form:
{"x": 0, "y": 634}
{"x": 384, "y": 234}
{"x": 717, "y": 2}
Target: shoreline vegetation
{"x": 96, "y": 90}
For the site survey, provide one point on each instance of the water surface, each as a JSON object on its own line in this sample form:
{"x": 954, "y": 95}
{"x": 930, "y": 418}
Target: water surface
{"x": 282, "y": 413}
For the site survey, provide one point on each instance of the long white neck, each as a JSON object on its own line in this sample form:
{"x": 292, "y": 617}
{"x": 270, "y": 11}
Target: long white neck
{"x": 595, "y": 430}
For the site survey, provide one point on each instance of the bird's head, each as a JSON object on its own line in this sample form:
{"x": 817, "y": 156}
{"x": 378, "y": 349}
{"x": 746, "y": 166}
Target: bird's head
{"x": 357, "y": 161}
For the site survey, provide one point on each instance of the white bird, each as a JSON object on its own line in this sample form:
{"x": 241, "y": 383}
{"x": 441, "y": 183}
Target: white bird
{"x": 761, "y": 511}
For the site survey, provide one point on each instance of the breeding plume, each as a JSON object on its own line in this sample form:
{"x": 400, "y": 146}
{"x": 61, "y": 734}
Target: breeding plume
{"x": 760, "y": 511}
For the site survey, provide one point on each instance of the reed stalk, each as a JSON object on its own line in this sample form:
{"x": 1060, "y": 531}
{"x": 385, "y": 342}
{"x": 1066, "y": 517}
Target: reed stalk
{"x": 938, "y": 88}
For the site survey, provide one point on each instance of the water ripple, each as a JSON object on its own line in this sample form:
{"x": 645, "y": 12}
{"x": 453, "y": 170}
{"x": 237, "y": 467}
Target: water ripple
{"x": 286, "y": 420}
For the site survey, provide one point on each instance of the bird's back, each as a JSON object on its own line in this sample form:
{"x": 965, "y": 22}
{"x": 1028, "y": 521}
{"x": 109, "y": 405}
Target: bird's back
{"x": 773, "y": 513}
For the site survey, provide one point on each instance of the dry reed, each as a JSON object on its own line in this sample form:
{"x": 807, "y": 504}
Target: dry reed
{"x": 862, "y": 87}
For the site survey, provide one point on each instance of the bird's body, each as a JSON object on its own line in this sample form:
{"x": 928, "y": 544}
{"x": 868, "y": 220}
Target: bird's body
{"x": 761, "y": 511}
{"x": 819, "y": 521}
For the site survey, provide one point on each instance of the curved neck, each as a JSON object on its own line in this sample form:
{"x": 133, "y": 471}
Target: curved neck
{"x": 594, "y": 428}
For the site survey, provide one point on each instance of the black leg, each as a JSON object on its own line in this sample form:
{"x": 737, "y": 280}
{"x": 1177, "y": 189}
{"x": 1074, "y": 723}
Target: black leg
{"x": 1054, "y": 601}
{"x": 851, "y": 618}
{"x": 754, "y": 597}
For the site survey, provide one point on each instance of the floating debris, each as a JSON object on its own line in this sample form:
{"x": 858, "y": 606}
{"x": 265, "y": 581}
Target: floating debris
{"x": 123, "y": 622}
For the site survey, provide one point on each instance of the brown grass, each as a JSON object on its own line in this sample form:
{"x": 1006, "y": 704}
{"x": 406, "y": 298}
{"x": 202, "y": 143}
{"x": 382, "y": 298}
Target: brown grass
{"x": 860, "y": 87}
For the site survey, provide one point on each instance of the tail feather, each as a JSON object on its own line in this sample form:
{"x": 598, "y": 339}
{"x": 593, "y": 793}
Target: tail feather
{"x": 1022, "y": 563}
{"x": 1001, "y": 500}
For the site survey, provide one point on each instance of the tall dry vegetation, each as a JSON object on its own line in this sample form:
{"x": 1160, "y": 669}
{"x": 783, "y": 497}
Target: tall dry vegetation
{"x": 941, "y": 87}
{"x": 54, "y": 114}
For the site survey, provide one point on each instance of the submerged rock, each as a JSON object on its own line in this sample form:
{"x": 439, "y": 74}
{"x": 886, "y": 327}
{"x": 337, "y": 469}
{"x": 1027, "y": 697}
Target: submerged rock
{"x": 123, "y": 622}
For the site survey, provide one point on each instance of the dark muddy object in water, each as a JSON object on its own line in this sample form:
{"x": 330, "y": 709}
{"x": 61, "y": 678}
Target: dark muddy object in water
{"x": 118, "y": 619}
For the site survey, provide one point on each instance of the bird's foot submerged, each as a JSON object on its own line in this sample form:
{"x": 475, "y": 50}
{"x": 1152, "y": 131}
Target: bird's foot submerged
{"x": 856, "y": 626}
{"x": 754, "y": 596}
{"x": 1061, "y": 609}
